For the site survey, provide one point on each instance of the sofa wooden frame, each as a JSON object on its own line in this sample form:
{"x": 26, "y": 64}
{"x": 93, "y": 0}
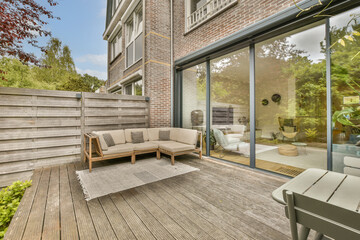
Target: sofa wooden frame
{"x": 92, "y": 140}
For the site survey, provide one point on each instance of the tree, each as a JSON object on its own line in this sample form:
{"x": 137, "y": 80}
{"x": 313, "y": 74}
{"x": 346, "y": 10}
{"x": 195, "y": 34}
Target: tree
{"x": 59, "y": 65}
{"x": 85, "y": 83}
{"x": 21, "y": 22}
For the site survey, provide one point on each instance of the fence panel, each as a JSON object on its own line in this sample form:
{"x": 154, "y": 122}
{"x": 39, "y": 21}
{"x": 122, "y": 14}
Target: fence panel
{"x": 41, "y": 128}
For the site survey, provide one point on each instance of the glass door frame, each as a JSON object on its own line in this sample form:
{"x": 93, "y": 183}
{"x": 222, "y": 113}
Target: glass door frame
{"x": 252, "y": 77}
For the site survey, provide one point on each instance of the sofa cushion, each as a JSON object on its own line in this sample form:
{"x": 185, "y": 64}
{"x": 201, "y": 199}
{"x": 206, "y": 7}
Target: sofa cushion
{"x": 118, "y": 136}
{"x": 162, "y": 142}
{"x": 128, "y": 134}
{"x": 352, "y": 161}
{"x": 164, "y": 135}
{"x": 108, "y": 139}
{"x": 145, "y": 146}
{"x": 153, "y": 134}
{"x": 103, "y": 144}
{"x": 137, "y": 137}
{"x": 187, "y": 136}
{"x": 122, "y": 148}
{"x": 174, "y": 134}
{"x": 175, "y": 147}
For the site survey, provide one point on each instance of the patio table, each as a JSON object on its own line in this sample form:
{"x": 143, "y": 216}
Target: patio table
{"x": 335, "y": 188}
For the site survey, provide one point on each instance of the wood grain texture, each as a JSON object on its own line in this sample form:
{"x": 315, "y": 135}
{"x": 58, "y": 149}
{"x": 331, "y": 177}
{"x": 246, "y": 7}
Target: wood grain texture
{"x": 52, "y": 213}
{"x": 34, "y": 226}
{"x": 67, "y": 214}
{"x": 213, "y": 203}
{"x": 44, "y": 124}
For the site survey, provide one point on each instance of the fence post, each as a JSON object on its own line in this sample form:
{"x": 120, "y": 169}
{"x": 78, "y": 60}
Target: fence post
{"x": 82, "y": 125}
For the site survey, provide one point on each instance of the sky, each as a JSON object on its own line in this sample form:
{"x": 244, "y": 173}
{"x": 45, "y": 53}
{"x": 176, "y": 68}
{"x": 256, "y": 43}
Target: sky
{"x": 81, "y": 27}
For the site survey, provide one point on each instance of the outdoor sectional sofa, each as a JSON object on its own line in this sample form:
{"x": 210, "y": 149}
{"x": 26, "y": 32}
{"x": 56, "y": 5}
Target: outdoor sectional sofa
{"x": 170, "y": 141}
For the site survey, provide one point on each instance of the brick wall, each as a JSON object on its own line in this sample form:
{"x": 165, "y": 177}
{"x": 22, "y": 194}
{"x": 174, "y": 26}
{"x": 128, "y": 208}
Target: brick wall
{"x": 157, "y": 59}
{"x": 243, "y": 14}
{"x": 157, "y": 44}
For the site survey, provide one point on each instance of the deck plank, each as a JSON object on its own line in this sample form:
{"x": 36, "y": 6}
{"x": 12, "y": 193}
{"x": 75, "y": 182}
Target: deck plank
{"x": 83, "y": 218}
{"x": 210, "y": 228}
{"x": 34, "y": 226}
{"x": 117, "y": 222}
{"x": 99, "y": 218}
{"x": 139, "y": 229}
{"x": 253, "y": 208}
{"x": 180, "y": 218}
{"x": 19, "y": 221}
{"x": 218, "y": 202}
{"x": 210, "y": 215}
{"x": 67, "y": 215}
{"x": 168, "y": 223}
{"x": 231, "y": 209}
{"x": 146, "y": 217}
{"x": 51, "y": 229}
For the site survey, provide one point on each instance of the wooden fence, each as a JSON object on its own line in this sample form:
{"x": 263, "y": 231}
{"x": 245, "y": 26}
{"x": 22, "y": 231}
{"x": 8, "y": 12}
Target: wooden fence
{"x": 43, "y": 127}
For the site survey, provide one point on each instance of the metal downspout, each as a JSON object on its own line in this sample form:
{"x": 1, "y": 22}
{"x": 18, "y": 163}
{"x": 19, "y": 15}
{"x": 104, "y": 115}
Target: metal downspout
{"x": 171, "y": 63}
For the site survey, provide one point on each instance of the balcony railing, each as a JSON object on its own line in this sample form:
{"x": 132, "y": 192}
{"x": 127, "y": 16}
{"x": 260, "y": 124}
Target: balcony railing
{"x": 211, "y": 8}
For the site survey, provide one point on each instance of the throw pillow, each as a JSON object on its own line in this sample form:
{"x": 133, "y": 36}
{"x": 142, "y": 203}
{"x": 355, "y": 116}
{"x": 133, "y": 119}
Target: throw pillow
{"x": 108, "y": 139}
{"x": 164, "y": 135}
{"x": 137, "y": 137}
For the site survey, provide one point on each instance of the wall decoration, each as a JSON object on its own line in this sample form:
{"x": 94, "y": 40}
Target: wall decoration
{"x": 276, "y": 98}
{"x": 264, "y": 102}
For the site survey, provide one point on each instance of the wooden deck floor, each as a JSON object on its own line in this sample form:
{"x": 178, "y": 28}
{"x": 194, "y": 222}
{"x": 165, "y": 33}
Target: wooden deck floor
{"x": 218, "y": 202}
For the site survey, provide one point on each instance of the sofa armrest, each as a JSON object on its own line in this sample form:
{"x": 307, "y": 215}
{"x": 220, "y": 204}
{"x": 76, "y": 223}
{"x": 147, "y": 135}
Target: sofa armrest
{"x": 89, "y": 139}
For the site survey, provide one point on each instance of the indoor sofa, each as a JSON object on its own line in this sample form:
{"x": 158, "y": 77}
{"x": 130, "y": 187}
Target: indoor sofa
{"x": 103, "y": 145}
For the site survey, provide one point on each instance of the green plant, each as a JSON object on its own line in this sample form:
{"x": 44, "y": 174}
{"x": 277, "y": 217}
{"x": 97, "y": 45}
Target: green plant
{"x": 10, "y": 198}
{"x": 311, "y": 132}
{"x": 212, "y": 138}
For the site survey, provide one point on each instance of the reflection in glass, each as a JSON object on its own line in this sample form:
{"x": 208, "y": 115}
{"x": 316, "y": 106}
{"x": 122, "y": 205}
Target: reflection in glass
{"x": 290, "y": 73}
{"x": 138, "y": 88}
{"x": 345, "y": 77}
{"x": 230, "y": 107}
{"x": 194, "y": 99}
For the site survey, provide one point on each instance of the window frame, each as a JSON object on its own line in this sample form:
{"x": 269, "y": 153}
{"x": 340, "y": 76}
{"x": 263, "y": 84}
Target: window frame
{"x": 137, "y": 30}
{"x": 132, "y": 84}
{"x": 116, "y": 41}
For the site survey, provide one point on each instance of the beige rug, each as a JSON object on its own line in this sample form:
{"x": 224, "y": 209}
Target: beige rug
{"x": 119, "y": 177}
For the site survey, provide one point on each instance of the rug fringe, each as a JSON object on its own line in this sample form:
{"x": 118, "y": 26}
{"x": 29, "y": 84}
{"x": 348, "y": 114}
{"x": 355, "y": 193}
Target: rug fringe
{"x": 85, "y": 191}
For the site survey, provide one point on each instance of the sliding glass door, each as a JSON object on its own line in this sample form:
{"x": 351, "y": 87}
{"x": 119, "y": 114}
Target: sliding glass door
{"x": 229, "y": 105}
{"x": 299, "y": 92}
{"x": 345, "y": 76}
{"x": 194, "y": 99}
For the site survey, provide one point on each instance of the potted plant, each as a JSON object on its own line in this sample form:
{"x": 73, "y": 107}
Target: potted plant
{"x": 212, "y": 140}
{"x": 311, "y": 133}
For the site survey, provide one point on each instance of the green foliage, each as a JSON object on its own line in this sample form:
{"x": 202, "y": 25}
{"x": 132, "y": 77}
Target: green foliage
{"x": 311, "y": 132}
{"x": 10, "y": 198}
{"x": 57, "y": 72}
{"x": 212, "y": 137}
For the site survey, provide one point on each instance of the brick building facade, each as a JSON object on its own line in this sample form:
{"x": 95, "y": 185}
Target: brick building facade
{"x": 153, "y": 70}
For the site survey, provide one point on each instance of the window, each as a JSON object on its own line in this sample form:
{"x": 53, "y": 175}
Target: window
{"x": 198, "y": 11}
{"x": 128, "y": 89}
{"x": 134, "y": 37}
{"x": 115, "y": 4}
{"x": 115, "y": 45}
{"x": 134, "y": 88}
{"x": 138, "y": 88}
